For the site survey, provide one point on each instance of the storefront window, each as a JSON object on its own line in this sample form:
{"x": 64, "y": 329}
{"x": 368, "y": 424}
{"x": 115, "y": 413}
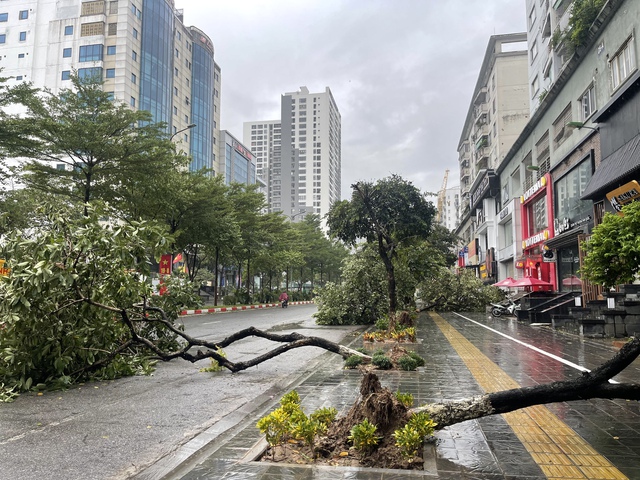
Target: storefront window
{"x": 568, "y": 190}
{"x": 568, "y": 265}
{"x": 538, "y": 215}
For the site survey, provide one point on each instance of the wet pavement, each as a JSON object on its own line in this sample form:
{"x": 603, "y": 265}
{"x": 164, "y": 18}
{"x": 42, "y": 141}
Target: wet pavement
{"x": 579, "y": 440}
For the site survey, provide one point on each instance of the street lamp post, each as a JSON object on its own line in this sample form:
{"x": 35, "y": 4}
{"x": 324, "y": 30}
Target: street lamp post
{"x": 191, "y": 125}
{"x": 291, "y": 217}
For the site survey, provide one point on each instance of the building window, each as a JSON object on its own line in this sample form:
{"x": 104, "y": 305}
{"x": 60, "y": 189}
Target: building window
{"x": 177, "y": 53}
{"x": 68, "y": 30}
{"x": 134, "y": 79}
{"x": 66, "y": 74}
{"x": 111, "y": 73}
{"x": 135, "y": 33}
{"x": 21, "y": 55}
{"x": 23, "y": 15}
{"x": 92, "y": 8}
{"x": 560, "y": 129}
{"x": 93, "y": 74}
{"x": 3, "y": 38}
{"x": 532, "y": 16}
{"x": 534, "y": 51}
{"x": 4, "y": 17}
{"x": 134, "y": 55}
{"x": 175, "y": 110}
{"x": 22, "y": 36}
{"x": 132, "y": 101}
{"x": 535, "y": 86}
{"x": 89, "y": 29}
{"x": 66, "y": 53}
{"x": 112, "y": 29}
{"x": 111, "y": 50}
{"x": 90, "y": 53}
{"x": 622, "y": 64}
{"x": 588, "y": 102}
{"x": 113, "y": 7}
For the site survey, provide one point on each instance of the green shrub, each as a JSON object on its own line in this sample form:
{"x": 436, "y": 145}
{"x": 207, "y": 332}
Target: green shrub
{"x": 405, "y": 398}
{"x": 408, "y": 440}
{"x": 408, "y": 363}
{"x": 420, "y": 362}
{"x": 382, "y": 323}
{"x": 325, "y": 415}
{"x": 382, "y": 362}
{"x": 423, "y": 423}
{"x": 353, "y": 361}
{"x": 363, "y": 436}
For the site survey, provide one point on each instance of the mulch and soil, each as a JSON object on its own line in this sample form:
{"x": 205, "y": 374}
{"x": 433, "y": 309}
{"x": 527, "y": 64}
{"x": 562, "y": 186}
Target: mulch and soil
{"x": 377, "y": 404}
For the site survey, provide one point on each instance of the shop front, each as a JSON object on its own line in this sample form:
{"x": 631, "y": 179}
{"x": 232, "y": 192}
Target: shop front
{"x": 573, "y": 221}
{"x": 537, "y": 228}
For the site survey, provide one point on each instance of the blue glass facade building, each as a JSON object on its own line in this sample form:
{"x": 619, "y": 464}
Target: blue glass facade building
{"x": 156, "y": 59}
{"x": 202, "y": 109}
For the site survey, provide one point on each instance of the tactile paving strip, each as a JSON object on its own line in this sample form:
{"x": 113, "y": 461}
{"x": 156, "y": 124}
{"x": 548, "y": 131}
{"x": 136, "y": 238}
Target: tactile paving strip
{"x": 559, "y": 451}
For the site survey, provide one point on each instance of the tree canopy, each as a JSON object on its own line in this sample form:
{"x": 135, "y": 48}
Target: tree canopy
{"x": 387, "y": 214}
{"x": 613, "y": 250}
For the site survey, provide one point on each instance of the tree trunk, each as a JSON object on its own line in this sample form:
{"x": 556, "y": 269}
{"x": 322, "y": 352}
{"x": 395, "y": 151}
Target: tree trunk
{"x": 594, "y": 384}
{"x": 391, "y": 276}
{"x": 215, "y": 283}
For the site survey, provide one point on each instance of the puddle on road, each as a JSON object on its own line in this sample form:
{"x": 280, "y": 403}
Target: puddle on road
{"x": 285, "y": 326}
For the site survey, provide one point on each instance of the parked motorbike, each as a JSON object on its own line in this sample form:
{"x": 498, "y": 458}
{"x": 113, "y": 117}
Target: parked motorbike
{"x": 285, "y": 303}
{"x": 499, "y": 309}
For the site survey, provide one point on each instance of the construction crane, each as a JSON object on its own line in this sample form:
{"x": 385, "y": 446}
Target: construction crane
{"x": 441, "y": 197}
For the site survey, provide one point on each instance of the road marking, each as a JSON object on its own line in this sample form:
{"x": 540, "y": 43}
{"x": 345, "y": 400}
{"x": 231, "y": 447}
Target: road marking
{"x": 559, "y": 451}
{"x": 532, "y": 347}
{"x": 210, "y": 323}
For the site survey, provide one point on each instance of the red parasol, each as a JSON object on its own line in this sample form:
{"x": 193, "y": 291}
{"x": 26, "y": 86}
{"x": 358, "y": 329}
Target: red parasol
{"x": 572, "y": 281}
{"x": 531, "y": 282}
{"x": 507, "y": 282}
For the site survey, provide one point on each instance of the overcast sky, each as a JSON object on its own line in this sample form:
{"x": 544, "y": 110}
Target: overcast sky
{"x": 402, "y": 72}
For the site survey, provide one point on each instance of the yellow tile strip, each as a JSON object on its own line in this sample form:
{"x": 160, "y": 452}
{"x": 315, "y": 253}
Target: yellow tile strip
{"x": 559, "y": 451}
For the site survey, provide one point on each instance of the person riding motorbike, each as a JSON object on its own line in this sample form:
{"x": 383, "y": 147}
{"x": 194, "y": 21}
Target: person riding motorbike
{"x": 284, "y": 299}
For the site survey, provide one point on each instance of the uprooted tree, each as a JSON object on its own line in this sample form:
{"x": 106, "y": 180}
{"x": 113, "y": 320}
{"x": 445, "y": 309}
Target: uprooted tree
{"x": 76, "y": 306}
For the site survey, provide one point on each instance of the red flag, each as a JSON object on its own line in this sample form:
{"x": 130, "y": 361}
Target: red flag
{"x": 178, "y": 258}
{"x": 165, "y": 265}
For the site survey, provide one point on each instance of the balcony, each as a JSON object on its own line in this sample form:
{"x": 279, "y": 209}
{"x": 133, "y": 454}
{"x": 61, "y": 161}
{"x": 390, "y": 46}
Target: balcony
{"x": 465, "y": 175}
{"x": 482, "y": 142}
{"x": 480, "y": 97}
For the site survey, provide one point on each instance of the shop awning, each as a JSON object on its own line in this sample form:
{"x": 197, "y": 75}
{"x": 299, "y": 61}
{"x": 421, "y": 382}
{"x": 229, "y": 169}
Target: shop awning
{"x": 613, "y": 169}
{"x": 565, "y": 239}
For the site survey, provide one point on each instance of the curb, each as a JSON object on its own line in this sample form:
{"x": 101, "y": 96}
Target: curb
{"x": 233, "y": 309}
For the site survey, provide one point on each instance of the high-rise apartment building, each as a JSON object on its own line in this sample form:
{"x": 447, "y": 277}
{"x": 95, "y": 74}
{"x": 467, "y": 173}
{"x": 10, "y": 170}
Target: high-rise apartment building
{"x": 548, "y": 51}
{"x": 141, "y": 50}
{"x": 299, "y": 156}
{"x": 450, "y": 215}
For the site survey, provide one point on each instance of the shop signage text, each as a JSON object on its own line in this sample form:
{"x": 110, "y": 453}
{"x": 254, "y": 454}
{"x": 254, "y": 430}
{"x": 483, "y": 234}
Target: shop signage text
{"x": 627, "y": 193}
{"x": 565, "y": 224}
{"x": 539, "y": 185}
{"x": 535, "y": 239}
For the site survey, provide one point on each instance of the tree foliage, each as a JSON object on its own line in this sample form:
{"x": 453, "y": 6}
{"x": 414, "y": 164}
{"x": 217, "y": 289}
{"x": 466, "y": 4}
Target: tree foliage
{"x": 387, "y": 214}
{"x": 106, "y": 148}
{"x": 69, "y": 279}
{"x": 613, "y": 250}
{"x": 445, "y": 290}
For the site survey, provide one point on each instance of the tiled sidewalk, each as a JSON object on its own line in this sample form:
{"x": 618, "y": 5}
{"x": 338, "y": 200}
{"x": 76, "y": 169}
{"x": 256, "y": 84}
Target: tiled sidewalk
{"x": 485, "y": 449}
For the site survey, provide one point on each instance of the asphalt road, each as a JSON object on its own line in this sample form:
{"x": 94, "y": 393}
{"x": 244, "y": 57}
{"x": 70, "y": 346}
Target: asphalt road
{"x": 115, "y": 429}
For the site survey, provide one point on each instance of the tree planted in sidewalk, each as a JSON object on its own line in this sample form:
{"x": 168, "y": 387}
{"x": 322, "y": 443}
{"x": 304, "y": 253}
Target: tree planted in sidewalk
{"x": 387, "y": 214}
{"x": 613, "y": 249}
{"x": 84, "y": 146}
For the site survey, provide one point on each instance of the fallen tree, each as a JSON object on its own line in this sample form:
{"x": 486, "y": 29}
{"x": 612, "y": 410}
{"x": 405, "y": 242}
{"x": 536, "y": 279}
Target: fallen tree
{"x": 594, "y": 384}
